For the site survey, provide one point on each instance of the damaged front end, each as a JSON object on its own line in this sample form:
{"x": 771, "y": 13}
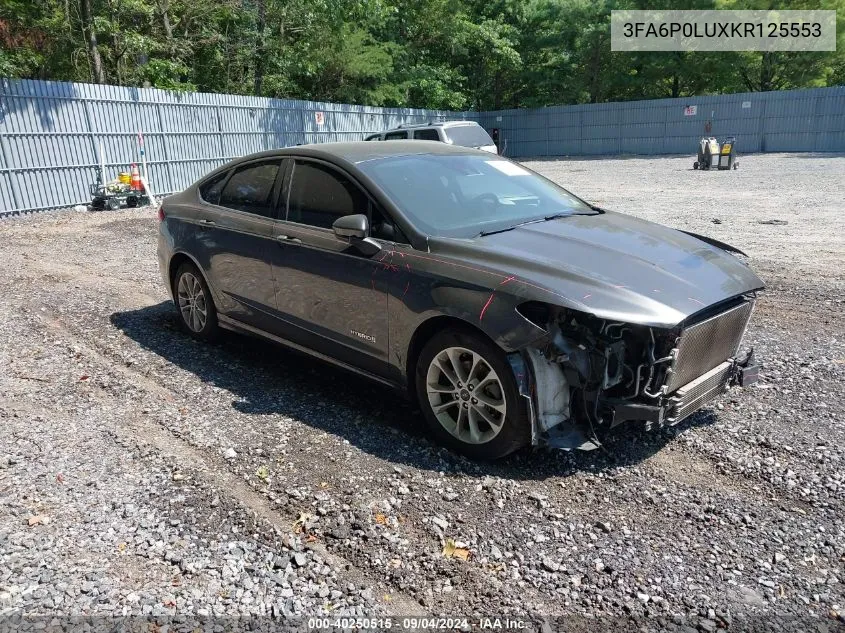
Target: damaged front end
{"x": 589, "y": 375}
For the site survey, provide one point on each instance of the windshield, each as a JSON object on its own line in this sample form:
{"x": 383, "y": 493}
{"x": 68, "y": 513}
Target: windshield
{"x": 468, "y": 136}
{"x": 464, "y": 195}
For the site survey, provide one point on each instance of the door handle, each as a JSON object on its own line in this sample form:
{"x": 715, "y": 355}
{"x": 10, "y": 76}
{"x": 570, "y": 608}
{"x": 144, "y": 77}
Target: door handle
{"x": 208, "y": 222}
{"x": 287, "y": 239}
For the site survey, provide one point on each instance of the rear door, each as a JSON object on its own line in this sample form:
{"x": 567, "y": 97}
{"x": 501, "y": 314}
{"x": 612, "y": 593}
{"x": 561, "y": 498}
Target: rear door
{"x": 326, "y": 289}
{"x": 238, "y": 238}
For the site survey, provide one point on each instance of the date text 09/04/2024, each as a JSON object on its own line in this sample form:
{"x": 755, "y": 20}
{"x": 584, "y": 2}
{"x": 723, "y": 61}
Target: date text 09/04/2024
{"x": 417, "y": 623}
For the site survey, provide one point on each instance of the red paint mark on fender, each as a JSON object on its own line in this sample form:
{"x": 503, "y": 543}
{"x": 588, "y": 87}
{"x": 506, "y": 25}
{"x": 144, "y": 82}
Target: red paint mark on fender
{"x": 587, "y": 296}
{"x": 486, "y": 305}
{"x": 389, "y": 265}
{"x": 408, "y": 285}
{"x": 486, "y": 272}
{"x": 490, "y": 300}
{"x": 448, "y": 263}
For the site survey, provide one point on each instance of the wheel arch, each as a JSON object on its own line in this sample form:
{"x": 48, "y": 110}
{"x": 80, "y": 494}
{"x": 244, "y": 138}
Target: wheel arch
{"x": 173, "y": 266}
{"x": 424, "y": 332}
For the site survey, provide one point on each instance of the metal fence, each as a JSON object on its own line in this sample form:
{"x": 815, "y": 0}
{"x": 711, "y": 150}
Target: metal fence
{"x": 50, "y": 132}
{"x": 789, "y": 121}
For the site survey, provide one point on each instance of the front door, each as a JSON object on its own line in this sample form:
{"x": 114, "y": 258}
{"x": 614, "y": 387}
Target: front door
{"x": 325, "y": 287}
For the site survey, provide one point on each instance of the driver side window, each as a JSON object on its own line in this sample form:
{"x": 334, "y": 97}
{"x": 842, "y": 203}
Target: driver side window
{"x": 319, "y": 195}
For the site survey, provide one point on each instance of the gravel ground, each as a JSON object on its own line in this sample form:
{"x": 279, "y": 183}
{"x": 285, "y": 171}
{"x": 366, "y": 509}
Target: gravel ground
{"x": 144, "y": 473}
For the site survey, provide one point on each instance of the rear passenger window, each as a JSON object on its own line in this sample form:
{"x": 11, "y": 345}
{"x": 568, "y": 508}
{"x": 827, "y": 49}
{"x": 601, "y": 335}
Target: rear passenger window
{"x": 393, "y": 136}
{"x": 426, "y": 135}
{"x": 320, "y": 195}
{"x": 250, "y": 189}
{"x": 210, "y": 189}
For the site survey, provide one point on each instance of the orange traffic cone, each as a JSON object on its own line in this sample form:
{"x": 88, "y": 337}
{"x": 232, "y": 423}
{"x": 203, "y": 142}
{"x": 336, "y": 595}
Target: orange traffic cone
{"x": 135, "y": 178}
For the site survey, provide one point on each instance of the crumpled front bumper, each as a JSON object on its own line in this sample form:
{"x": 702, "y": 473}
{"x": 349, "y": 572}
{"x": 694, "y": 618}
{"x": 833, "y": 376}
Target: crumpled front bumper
{"x": 669, "y": 410}
{"x": 689, "y": 398}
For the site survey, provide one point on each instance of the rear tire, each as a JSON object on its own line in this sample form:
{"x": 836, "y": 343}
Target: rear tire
{"x": 469, "y": 396}
{"x": 194, "y": 303}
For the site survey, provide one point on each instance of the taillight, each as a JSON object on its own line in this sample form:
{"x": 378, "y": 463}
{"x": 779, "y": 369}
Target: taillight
{"x": 161, "y": 213}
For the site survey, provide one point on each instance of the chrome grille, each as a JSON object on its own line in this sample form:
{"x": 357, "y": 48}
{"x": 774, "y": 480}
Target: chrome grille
{"x": 690, "y": 398}
{"x": 708, "y": 343}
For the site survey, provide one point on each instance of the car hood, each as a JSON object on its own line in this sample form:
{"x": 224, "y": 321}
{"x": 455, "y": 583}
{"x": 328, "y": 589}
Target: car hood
{"x": 614, "y": 266}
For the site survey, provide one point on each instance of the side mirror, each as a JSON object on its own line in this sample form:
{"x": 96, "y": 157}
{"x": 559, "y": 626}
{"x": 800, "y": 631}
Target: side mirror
{"x": 351, "y": 226}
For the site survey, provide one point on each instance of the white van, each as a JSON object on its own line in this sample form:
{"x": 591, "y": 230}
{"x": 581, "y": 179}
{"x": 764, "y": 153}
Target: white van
{"x": 463, "y": 133}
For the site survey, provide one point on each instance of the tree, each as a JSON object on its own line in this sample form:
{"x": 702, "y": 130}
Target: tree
{"x": 444, "y": 54}
{"x": 86, "y": 19}
{"x": 763, "y": 71}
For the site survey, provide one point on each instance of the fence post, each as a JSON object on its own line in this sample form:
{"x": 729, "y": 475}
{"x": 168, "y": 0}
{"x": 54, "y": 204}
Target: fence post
{"x": 618, "y": 131}
{"x": 95, "y": 154}
{"x": 762, "y": 126}
{"x": 13, "y": 185}
{"x": 13, "y": 181}
{"x": 302, "y": 123}
{"x": 220, "y": 147}
{"x": 164, "y": 137}
{"x": 581, "y": 132}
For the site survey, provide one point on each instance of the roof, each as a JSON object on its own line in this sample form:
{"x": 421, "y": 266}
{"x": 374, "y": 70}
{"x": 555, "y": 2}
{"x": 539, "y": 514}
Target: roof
{"x": 360, "y": 151}
{"x": 406, "y": 126}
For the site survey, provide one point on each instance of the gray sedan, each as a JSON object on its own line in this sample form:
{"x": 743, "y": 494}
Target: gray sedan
{"x": 512, "y": 311}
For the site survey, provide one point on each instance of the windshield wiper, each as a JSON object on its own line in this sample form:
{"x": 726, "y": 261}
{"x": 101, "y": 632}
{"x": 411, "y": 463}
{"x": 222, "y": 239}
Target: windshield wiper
{"x": 534, "y": 221}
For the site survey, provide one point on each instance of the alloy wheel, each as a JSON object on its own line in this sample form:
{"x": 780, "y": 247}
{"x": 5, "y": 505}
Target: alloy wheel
{"x": 466, "y": 395}
{"x": 192, "y": 302}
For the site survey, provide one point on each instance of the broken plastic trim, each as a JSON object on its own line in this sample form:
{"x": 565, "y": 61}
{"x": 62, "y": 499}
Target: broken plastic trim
{"x": 551, "y": 391}
{"x": 548, "y": 409}
{"x": 523, "y": 382}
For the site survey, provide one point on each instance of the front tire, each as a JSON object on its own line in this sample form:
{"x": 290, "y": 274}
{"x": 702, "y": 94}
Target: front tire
{"x": 194, "y": 303}
{"x": 469, "y": 396}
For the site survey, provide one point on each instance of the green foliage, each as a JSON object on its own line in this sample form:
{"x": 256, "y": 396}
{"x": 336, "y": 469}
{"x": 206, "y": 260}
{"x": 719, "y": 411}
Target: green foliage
{"x": 443, "y": 54}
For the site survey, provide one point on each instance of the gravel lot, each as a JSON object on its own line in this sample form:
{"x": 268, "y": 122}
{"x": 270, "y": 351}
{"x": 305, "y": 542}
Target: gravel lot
{"x": 144, "y": 473}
